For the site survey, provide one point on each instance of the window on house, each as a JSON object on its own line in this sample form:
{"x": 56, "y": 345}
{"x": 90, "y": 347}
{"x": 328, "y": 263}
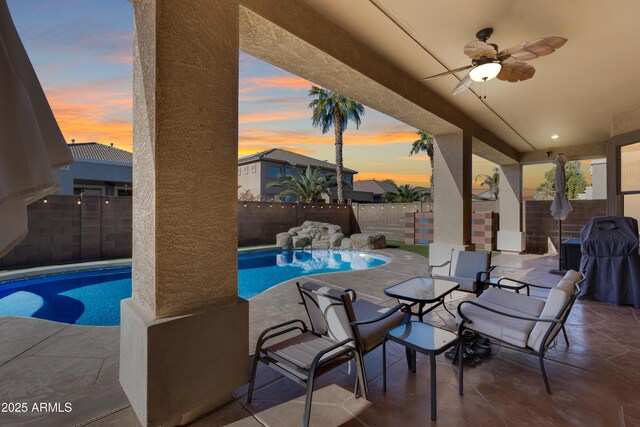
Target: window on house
{"x": 273, "y": 172}
{"x": 349, "y": 179}
{"x": 288, "y": 171}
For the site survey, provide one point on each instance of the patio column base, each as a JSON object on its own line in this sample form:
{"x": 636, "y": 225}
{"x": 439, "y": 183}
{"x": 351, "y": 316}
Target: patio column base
{"x": 175, "y": 369}
{"x": 511, "y": 241}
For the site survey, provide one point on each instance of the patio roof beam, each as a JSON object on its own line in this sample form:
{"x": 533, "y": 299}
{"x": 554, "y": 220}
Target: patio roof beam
{"x": 295, "y": 37}
{"x": 572, "y": 152}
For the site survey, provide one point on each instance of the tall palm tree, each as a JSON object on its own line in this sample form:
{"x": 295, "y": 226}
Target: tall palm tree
{"x": 491, "y": 181}
{"x": 307, "y": 186}
{"x": 424, "y": 144}
{"x": 404, "y": 194}
{"x": 330, "y": 109}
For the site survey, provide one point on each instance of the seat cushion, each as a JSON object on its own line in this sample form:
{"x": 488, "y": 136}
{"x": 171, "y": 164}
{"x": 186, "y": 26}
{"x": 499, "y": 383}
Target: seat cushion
{"x": 507, "y": 329}
{"x": 372, "y": 334}
{"x": 519, "y": 302}
{"x": 555, "y": 302}
{"x": 466, "y": 284}
{"x": 300, "y": 350}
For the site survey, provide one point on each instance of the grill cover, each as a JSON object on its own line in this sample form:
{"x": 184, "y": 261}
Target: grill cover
{"x": 610, "y": 260}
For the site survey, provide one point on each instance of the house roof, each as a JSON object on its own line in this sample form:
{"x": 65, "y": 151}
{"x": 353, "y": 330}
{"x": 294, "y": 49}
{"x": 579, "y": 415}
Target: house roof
{"x": 100, "y": 152}
{"x": 374, "y": 186}
{"x": 283, "y": 156}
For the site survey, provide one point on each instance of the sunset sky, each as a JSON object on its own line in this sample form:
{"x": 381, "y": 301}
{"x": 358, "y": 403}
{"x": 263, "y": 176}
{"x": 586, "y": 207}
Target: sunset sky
{"x": 82, "y": 53}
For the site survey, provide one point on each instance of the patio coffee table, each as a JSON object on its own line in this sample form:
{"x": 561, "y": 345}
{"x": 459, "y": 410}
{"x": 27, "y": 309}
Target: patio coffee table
{"x": 422, "y": 291}
{"x": 426, "y": 339}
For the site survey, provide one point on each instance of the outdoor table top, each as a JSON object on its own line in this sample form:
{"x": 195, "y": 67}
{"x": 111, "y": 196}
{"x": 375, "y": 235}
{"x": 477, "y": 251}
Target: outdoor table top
{"x": 422, "y": 289}
{"x": 422, "y": 337}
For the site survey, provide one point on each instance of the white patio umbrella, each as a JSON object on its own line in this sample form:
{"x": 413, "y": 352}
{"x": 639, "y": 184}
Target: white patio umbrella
{"x": 560, "y": 207}
{"x": 31, "y": 144}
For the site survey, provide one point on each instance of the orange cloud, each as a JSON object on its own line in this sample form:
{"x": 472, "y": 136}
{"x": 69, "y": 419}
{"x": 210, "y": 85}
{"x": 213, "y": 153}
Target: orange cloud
{"x": 269, "y": 137}
{"x": 97, "y": 111}
{"x": 399, "y": 178}
{"x": 420, "y": 158}
{"x": 268, "y": 117}
{"x": 278, "y": 82}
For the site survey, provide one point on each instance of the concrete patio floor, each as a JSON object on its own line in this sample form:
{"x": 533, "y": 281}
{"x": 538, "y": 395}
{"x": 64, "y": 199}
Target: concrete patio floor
{"x": 595, "y": 381}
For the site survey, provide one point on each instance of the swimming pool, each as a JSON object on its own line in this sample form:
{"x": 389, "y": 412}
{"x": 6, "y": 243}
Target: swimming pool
{"x": 93, "y": 297}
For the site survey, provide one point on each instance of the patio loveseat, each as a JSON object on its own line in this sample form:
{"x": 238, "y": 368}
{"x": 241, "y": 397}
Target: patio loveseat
{"x": 521, "y": 321}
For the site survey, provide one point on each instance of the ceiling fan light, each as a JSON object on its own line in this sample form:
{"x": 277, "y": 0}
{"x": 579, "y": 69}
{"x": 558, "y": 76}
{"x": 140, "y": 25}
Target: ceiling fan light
{"x": 485, "y": 72}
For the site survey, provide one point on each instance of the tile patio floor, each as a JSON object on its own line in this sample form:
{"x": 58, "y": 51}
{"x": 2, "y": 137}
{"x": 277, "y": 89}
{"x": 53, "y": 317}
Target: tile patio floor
{"x": 596, "y": 381}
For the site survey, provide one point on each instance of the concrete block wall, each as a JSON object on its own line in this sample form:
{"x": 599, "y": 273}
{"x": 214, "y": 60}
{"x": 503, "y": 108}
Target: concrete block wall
{"x": 541, "y": 231}
{"x": 419, "y": 228}
{"x": 386, "y": 218}
{"x": 484, "y": 230}
{"x": 259, "y": 222}
{"x": 61, "y": 230}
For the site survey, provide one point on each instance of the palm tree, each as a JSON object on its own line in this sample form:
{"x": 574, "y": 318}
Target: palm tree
{"x": 424, "y": 144}
{"x": 330, "y": 109}
{"x": 491, "y": 181}
{"x": 404, "y": 194}
{"x": 307, "y": 186}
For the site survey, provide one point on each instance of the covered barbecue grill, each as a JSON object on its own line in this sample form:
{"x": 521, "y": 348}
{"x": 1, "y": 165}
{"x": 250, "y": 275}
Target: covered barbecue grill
{"x": 610, "y": 260}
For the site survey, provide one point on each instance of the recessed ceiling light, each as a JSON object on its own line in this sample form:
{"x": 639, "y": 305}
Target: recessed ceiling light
{"x": 554, "y": 136}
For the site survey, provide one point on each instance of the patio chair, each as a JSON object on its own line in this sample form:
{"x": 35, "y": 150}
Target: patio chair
{"x": 520, "y": 321}
{"x": 472, "y": 270}
{"x": 309, "y": 353}
{"x": 369, "y": 322}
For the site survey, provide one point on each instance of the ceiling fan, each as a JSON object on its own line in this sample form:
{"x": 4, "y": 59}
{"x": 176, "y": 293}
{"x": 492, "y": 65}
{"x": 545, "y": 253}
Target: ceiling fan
{"x": 508, "y": 65}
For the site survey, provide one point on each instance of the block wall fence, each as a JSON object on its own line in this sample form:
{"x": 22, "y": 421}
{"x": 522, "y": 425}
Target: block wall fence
{"x": 541, "y": 230}
{"x": 61, "y": 230}
{"x": 419, "y": 228}
{"x": 259, "y": 222}
{"x": 66, "y": 229}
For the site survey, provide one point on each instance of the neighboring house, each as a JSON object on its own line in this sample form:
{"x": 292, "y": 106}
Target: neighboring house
{"x": 256, "y": 171}
{"x": 484, "y": 195}
{"x": 598, "y": 187}
{"x": 377, "y": 188}
{"x": 97, "y": 170}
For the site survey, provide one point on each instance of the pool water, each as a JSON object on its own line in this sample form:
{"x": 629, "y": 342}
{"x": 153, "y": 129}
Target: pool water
{"x": 93, "y": 297}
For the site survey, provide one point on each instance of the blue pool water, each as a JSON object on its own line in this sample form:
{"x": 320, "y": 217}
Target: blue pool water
{"x": 93, "y": 297}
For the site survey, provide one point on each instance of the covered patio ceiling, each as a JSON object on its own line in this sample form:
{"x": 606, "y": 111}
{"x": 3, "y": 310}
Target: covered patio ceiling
{"x": 575, "y": 92}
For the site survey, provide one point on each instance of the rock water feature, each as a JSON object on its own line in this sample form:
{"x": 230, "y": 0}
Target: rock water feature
{"x": 322, "y": 235}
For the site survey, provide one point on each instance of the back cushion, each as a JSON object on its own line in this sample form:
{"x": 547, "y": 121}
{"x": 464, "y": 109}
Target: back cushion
{"x": 573, "y": 276}
{"x": 317, "y": 316}
{"x": 470, "y": 263}
{"x": 335, "y": 314}
{"x": 568, "y": 286}
{"x": 552, "y": 308}
{"x": 568, "y": 282}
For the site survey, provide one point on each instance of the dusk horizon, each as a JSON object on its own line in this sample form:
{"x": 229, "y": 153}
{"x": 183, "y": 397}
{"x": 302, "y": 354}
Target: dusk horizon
{"x": 82, "y": 53}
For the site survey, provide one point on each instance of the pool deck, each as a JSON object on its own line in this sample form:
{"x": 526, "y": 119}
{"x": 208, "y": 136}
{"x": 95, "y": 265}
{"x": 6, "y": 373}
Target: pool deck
{"x": 595, "y": 381}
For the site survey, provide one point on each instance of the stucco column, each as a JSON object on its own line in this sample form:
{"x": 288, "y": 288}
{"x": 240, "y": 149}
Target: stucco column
{"x": 510, "y": 235}
{"x": 184, "y": 335}
{"x": 452, "y": 179}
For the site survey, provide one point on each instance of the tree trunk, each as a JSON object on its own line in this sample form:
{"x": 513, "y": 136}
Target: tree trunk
{"x": 431, "y": 181}
{"x": 337, "y": 126}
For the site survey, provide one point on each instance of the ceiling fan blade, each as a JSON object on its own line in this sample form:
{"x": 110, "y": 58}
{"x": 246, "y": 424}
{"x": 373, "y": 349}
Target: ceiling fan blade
{"x": 463, "y": 85}
{"x": 466, "y": 67}
{"x": 476, "y": 49}
{"x": 515, "y": 71}
{"x": 533, "y": 49}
